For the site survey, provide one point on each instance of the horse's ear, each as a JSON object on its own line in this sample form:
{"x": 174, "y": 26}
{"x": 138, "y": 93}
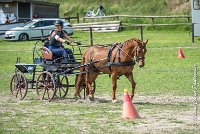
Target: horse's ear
{"x": 146, "y": 42}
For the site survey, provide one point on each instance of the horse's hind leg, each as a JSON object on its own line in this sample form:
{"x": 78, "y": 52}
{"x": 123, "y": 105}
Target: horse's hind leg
{"x": 133, "y": 84}
{"x": 114, "y": 84}
{"x": 90, "y": 78}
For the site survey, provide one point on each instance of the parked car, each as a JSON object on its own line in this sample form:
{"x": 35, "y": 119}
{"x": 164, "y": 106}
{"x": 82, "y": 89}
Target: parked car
{"x": 32, "y": 29}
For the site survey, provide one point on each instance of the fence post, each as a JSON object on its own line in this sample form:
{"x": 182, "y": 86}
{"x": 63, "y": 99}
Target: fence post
{"x": 192, "y": 32}
{"x": 188, "y": 19}
{"x": 152, "y": 20}
{"x": 78, "y": 18}
{"x": 141, "y": 31}
{"x": 91, "y": 37}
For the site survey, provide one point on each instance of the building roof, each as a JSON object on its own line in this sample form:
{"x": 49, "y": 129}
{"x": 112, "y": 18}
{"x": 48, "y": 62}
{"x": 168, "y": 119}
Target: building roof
{"x": 34, "y": 1}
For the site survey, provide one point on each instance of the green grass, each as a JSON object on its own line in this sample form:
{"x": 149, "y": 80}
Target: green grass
{"x": 163, "y": 75}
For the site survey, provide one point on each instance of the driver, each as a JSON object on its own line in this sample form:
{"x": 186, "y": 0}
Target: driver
{"x": 56, "y": 38}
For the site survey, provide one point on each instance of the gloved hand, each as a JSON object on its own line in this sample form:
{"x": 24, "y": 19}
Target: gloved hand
{"x": 66, "y": 42}
{"x": 78, "y": 43}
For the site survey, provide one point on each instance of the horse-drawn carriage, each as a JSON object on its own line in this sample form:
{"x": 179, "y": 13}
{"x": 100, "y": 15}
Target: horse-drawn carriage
{"x": 47, "y": 74}
{"x": 52, "y": 80}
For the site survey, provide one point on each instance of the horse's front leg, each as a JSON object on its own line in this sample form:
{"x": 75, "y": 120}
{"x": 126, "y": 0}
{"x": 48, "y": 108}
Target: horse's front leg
{"x": 114, "y": 87}
{"x": 133, "y": 84}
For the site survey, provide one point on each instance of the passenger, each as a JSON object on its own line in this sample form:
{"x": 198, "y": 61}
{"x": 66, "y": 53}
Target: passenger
{"x": 56, "y": 38}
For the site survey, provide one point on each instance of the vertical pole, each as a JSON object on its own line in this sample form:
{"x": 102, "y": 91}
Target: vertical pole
{"x": 195, "y": 102}
{"x": 78, "y": 18}
{"x": 91, "y": 37}
{"x": 192, "y": 32}
{"x": 188, "y": 19}
{"x": 141, "y": 31}
{"x": 69, "y": 19}
{"x": 152, "y": 20}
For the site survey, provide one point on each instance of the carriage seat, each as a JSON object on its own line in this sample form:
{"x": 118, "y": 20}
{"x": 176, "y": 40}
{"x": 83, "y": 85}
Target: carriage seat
{"x": 46, "y": 53}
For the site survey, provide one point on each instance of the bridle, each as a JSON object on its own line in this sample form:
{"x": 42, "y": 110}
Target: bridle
{"x": 137, "y": 58}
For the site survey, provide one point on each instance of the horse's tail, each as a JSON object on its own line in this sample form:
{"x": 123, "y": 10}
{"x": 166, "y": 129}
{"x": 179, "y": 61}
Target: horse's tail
{"x": 80, "y": 80}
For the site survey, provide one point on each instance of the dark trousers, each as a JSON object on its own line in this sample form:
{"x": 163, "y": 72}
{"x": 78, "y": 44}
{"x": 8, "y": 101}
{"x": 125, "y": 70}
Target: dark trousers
{"x": 65, "y": 52}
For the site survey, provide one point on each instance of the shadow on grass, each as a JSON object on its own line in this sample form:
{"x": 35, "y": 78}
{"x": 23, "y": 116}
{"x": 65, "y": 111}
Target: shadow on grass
{"x": 160, "y": 104}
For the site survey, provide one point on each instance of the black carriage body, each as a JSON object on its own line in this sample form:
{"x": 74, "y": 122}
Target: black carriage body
{"x": 48, "y": 76}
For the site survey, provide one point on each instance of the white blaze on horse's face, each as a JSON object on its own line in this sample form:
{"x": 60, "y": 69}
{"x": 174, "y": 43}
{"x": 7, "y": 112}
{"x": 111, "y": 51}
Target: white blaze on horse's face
{"x": 140, "y": 53}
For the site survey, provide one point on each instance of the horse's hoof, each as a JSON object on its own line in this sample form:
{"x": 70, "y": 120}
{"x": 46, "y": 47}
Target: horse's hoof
{"x": 114, "y": 101}
{"x": 91, "y": 97}
{"x": 131, "y": 97}
{"x": 76, "y": 97}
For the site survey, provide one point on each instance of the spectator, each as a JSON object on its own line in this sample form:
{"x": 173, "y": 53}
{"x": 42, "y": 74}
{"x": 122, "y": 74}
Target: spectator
{"x": 35, "y": 16}
{"x": 100, "y": 11}
{"x": 8, "y": 20}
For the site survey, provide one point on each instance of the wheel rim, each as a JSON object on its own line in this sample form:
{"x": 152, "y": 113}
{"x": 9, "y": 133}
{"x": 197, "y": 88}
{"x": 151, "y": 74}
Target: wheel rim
{"x": 45, "y": 86}
{"x": 62, "y": 86}
{"x": 18, "y": 86}
{"x": 24, "y": 37}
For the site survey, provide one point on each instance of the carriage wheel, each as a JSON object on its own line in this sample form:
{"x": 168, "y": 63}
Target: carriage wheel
{"x": 62, "y": 86}
{"x": 45, "y": 86}
{"x": 84, "y": 88}
{"x": 18, "y": 86}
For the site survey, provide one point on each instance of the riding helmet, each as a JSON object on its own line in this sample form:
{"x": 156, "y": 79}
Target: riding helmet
{"x": 58, "y": 22}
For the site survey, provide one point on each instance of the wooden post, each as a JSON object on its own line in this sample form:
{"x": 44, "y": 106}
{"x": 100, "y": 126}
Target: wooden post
{"x": 78, "y": 18}
{"x": 69, "y": 19}
{"x": 91, "y": 37}
{"x": 152, "y": 20}
{"x": 141, "y": 31}
{"x": 192, "y": 32}
{"x": 188, "y": 19}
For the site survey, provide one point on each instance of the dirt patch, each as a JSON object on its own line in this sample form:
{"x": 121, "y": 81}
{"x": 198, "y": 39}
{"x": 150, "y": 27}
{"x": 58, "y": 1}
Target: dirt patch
{"x": 159, "y": 114}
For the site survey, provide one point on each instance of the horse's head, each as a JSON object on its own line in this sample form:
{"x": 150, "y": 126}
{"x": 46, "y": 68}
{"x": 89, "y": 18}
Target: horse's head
{"x": 140, "y": 51}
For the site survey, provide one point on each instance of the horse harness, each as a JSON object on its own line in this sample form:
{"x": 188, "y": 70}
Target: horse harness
{"x": 118, "y": 63}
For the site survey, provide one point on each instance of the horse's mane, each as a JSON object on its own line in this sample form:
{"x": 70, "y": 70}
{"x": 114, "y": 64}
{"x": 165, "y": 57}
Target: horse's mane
{"x": 130, "y": 41}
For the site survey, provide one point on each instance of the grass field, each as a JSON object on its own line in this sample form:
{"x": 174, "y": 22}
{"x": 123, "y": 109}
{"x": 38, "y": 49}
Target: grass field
{"x": 164, "y": 93}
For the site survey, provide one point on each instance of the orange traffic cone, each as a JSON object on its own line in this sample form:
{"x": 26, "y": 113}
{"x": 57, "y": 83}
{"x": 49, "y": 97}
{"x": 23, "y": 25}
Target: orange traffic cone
{"x": 129, "y": 111}
{"x": 180, "y": 53}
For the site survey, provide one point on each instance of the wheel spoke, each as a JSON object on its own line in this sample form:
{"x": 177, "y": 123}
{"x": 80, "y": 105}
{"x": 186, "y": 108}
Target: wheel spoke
{"x": 17, "y": 93}
{"x": 62, "y": 79}
{"x": 48, "y": 94}
{"x": 15, "y": 84}
{"x": 63, "y": 89}
{"x": 17, "y": 79}
{"x": 60, "y": 92}
{"x": 41, "y": 84}
{"x": 44, "y": 94}
{"x": 20, "y": 92}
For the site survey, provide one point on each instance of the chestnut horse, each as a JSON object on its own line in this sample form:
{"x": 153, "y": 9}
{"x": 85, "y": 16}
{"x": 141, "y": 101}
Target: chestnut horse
{"x": 116, "y": 62}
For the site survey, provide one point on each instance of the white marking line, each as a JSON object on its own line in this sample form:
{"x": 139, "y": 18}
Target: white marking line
{"x": 188, "y": 47}
{"x": 15, "y": 50}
